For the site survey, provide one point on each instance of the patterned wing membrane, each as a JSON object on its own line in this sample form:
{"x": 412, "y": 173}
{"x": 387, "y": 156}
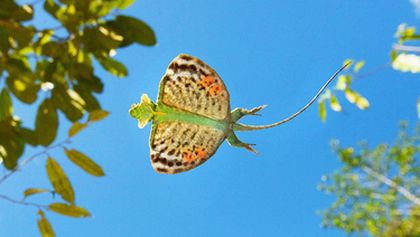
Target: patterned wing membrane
{"x": 191, "y": 85}
{"x": 177, "y": 147}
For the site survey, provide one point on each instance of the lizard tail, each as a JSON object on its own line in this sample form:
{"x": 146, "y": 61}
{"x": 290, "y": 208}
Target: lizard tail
{"x": 243, "y": 127}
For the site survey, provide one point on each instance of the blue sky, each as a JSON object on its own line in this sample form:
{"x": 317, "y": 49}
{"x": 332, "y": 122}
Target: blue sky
{"x": 268, "y": 52}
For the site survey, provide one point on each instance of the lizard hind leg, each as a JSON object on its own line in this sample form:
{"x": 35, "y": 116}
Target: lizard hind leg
{"x": 238, "y": 113}
{"x": 233, "y": 140}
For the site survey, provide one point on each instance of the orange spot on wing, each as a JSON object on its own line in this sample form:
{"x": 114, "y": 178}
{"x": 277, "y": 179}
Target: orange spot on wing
{"x": 207, "y": 81}
{"x": 201, "y": 153}
{"x": 215, "y": 89}
{"x": 188, "y": 156}
{"x": 198, "y": 153}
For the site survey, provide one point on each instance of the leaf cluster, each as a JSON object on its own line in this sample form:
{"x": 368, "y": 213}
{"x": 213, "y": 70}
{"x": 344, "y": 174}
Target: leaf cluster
{"x": 377, "y": 190}
{"x": 53, "y": 68}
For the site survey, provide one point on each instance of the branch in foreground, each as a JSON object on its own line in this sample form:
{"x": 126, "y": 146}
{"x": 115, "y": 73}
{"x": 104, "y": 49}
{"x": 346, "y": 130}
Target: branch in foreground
{"x": 22, "y": 202}
{"x": 25, "y": 162}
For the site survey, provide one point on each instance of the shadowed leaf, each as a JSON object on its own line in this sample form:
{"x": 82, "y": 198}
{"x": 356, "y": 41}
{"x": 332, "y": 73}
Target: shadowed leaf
{"x": 133, "y": 30}
{"x": 113, "y": 66}
{"x": 84, "y": 162}
{"x": 59, "y": 180}
{"x": 6, "y": 108}
{"x": 46, "y": 123}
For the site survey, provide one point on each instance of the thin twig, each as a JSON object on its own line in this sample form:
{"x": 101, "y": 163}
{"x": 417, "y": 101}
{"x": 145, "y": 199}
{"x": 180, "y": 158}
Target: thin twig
{"x": 22, "y": 202}
{"x": 25, "y": 162}
{"x": 401, "y": 47}
{"x": 385, "y": 180}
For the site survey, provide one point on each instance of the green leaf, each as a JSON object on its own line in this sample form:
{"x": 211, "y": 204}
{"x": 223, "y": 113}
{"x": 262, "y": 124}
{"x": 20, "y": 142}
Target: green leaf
{"x": 69, "y": 210}
{"x": 44, "y": 226}
{"x": 31, "y": 191}
{"x": 23, "y": 87}
{"x": 6, "y": 107}
{"x": 125, "y": 3}
{"x": 113, "y": 66}
{"x": 29, "y": 136}
{"x": 72, "y": 109}
{"x": 334, "y": 104}
{"x": 59, "y": 180}
{"x": 46, "y": 123}
{"x": 133, "y": 30}
{"x": 322, "y": 111}
{"x": 358, "y": 66}
{"x": 84, "y": 162}
{"x": 100, "y": 40}
{"x": 76, "y": 127}
{"x": 97, "y": 115}
{"x": 11, "y": 144}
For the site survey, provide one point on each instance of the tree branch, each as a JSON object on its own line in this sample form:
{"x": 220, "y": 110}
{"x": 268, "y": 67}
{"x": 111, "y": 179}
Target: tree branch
{"x": 406, "y": 48}
{"x": 22, "y": 202}
{"x": 25, "y": 162}
{"x": 385, "y": 180}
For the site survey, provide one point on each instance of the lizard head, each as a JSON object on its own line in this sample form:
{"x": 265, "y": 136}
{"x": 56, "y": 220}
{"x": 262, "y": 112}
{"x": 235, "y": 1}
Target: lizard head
{"x": 143, "y": 111}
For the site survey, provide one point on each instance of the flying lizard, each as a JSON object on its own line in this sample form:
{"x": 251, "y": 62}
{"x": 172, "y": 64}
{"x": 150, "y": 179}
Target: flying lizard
{"x": 192, "y": 116}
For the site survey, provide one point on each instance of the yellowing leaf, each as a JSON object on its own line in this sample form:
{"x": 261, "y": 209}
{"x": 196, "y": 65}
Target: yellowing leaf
{"x": 68, "y": 210}
{"x": 351, "y": 96}
{"x": 84, "y": 162}
{"x": 407, "y": 63}
{"x": 334, "y": 104}
{"x": 44, "y": 226}
{"x": 358, "y": 66}
{"x": 76, "y": 128}
{"x": 348, "y": 61}
{"x": 31, "y": 191}
{"x": 59, "y": 180}
{"x": 322, "y": 111}
{"x": 362, "y": 102}
{"x": 97, "y": 115}
{"x": 341, "y": 83}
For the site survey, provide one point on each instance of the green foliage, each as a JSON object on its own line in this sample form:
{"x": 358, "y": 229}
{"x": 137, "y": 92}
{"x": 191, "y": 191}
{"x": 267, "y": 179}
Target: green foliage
{"x": 38, "y": 62}
{"x": 52, "y": 70}
{"x": 343, "y": 85}
{"x": 377, "y": 190}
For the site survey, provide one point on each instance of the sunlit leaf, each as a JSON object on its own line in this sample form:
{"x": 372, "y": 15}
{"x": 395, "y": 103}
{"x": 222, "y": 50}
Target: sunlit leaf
{"x": 76, "y": 127}
{"x": 84, "y": 162}
{"x": 125, "y": 3}
{"x": 341, "y": 83}
{"x": 362, "y": 102}
{"x": 44, "y": 226}
{"x": 358, "y": 66}
{"x": 113, "y": 66}
{"x": 97, "y": 115}
{"x": 69, "y": 210}
{"x": 46, "y": 123}
{"x": 59, "y": 180}
{"x": 322, "y": 111}
{"x": 32, "y": 191}
{"x": 407, "y": 63}
{"x": 351, "y": 96}
{"x": 334, "y": 104}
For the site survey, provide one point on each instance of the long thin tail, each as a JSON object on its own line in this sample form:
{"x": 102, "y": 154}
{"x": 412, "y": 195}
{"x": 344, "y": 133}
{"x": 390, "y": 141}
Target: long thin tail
{"x": 243, "y": 127}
